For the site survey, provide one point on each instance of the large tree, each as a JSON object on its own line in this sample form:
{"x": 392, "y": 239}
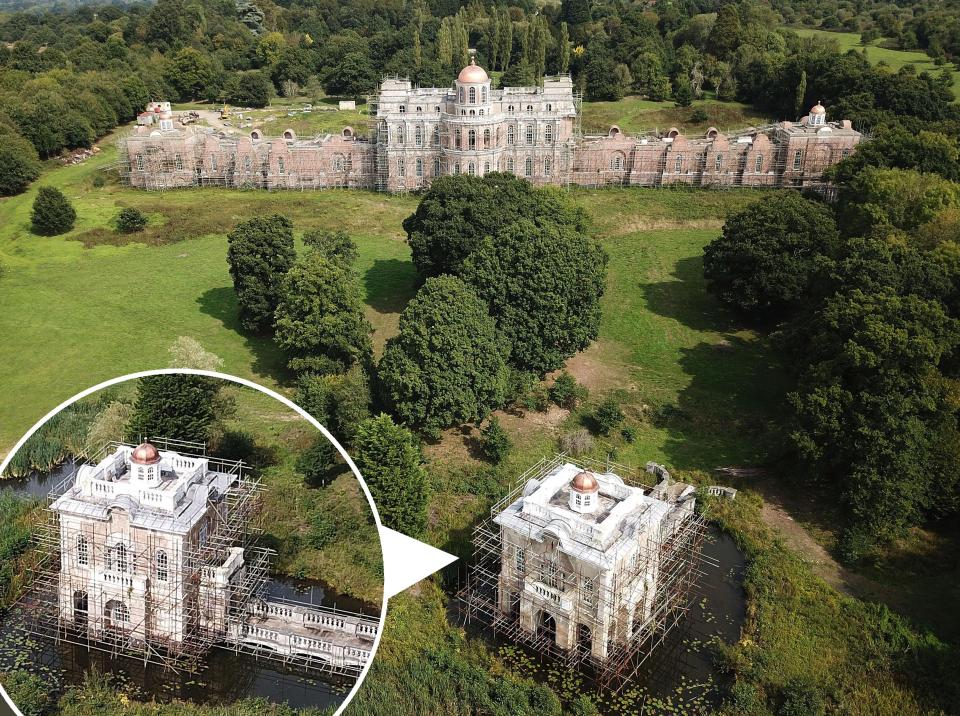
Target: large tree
{"x": 319, "y": 317}
{"x": 339, "y": 401}
{"x": 767, "y": 255}
{"x": 353, "y": 75}
{"x": 260, "y": 253}
{"x": 19, "y": 163}
{"x": 175, "y": 406}
{"x": 458, "y": 211}
{"x": 446, "y": 366}
{"x": 543, "y": 286}
{"x": 388, "y": 457}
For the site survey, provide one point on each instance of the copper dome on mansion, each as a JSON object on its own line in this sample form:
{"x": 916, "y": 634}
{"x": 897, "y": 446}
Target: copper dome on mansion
{"x": 818, "y": 109}
{"x": 585, "y": 482}
{"x": 145, "y": 454}
{"x": 473, "y": 73}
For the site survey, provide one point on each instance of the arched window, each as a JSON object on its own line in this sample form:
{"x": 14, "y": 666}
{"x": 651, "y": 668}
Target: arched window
{"x": 473, "y": 95}
{"x": 510, "y": 109}
{"x": 486, "y": 138}
{"x": 437, "y": 109}
{"x": 338, "y": 162}
{"x": 616, "y": 164}
{"x": 178, "y": 162}
{"x": 549, "y": 107}
{"x": 529, "y": 109}
{"x": 456, "y": 168}
{"x": 463, "y": 113}
{"x": 484, "y": 92}
{"x": 548, "y": 134}
{"x": 758, "y": 164}
{"x": 486, "y": 167}
{"x": 121, "y": 613}
{"x": 473, "y": 113}
{"x": 436, "y": 136}
{"x": 457, "y": 137}
{"x": 436, "y": 167}
{"x": 461, "y": 95}
{"x": 162, "y": 572}
{"x": 718, "y": 163}
{"x": 83, "y": 551}
{"x": 529, "y": 135}
{"x": 678, "y": 164}
{"x": 281, "y": 166}
{"x": 548, "y": 167}
{"x": 510, "y": 135}
{"x": 510, "y": 165}
{"x": 419, "y": 168}
{"x": 418, "y": 136}
{"x": 401, "y": 135}
{"x": 419, "y": 109}
{"x": 472, "y": 139}
{"x": 401, "y": 168}
{"x": 471, "y": 169}
{"x": 528, "y": 167}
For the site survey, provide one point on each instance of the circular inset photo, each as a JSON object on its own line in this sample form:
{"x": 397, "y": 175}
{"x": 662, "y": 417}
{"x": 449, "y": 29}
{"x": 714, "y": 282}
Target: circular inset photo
{"x": 185, "y": 536}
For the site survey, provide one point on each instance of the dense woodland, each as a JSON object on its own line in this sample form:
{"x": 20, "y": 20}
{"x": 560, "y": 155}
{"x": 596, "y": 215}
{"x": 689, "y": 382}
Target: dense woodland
{"x": 69, "y": 77}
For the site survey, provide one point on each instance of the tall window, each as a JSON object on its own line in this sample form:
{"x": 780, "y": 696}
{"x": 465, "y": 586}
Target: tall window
{"x": 436, "y": 136}
{"x": 549, "y": 107}
{"x": 83, "y": 551}
{"x": 419, "y": 109}
{"x": 419, "y": 168}
{"x": 437, "y": 109}
{"x": 472, "y": 139}
{"x": 456, "y": 168}
{"x": 473, "y": 95}
{"x": 436, "y": 167}
{"x": 471, "y": 169}
{"x": 213, "y": 162}
{"x": 510, "y": 165}
{"x": 510, "y": 135}
{"x": 758, "y": 164}
{"x": 616, "y": 164}
{"x": 528, "y": 167}
{"x": 797, "y": 159}
{"x": 401, "y": 168}
{"x": 589, "y": 591}
{"x": 548, "y": 167}
{"x": 548, "y": 134}
{"x": 486, "y": 138}
{"x": 486, "y": 167}
{"x": 121, "y": 613}
{"x": 338, "y": 162}
{"x": 139, "y": 162}
{"x": 281, "y": 166}
{"x": 718, "y": 163}
{"x": 551, "y": 575}
{"x": 401, "y": 135}
{"x": 418, "y": 136}
{"x": 162, "y": 572}
{"x": 178, "y": 162}
{"x": 521, "y": 560}
{"x": 529, "y": 135}
{"x": 461, "y": 95}
{"x": 118, "y": 558}
{"x": 247, "y": 164}
{"x": 457, "y": 137}
{"x": 511, "y": 109}
{"x": 473, "y": 113}
{"x": 529, "y": 109}
{"x": 203, "y": 533}
{"x": 484, "y": 91}
{"x": 678, "y": 164}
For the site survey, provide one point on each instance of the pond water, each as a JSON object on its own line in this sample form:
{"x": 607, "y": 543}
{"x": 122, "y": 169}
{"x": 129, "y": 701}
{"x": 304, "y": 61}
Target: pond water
{"x": 227, "y": 677}
{"x": 680, "y": 676}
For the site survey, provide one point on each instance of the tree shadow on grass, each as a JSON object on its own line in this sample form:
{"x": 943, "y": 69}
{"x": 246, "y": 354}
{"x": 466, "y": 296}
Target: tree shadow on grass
{"x": 730, "y": 412}
{"x": 686, "y": 299}
{"x": 268, "y": 360}
{"x": 390, "y": 284}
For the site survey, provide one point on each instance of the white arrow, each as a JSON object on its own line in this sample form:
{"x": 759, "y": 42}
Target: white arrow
{"x": 406, "y": 561}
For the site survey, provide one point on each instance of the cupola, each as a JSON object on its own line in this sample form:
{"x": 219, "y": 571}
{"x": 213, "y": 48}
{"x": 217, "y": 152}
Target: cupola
{"x": 145, "y": 464}
{"x": 584, "y": 493}
{"x": 818, "y": 115}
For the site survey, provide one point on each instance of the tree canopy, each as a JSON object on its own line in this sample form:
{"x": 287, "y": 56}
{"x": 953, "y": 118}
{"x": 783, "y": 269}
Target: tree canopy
{"x": 175, "y": 406}
{"x": 260, "y": 252}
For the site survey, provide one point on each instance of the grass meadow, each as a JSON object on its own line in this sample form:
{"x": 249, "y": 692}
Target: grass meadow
{"x": 701, "y": 390}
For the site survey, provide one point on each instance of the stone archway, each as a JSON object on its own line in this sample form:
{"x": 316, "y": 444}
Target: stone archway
{"x": 80, "y": 607}
{"x": 547, "y": 626}
{"x": 584, "y": 637}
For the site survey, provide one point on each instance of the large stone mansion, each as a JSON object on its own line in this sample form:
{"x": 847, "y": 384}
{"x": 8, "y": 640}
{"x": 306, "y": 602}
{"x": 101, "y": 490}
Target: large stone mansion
{"x": 420, "y": 133}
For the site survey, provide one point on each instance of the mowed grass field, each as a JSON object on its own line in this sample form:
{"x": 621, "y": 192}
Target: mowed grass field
{"x": 89, "y": 305}
{"x": 876, "y": 54}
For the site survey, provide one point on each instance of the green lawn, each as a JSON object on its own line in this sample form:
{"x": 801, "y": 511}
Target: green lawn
{"x": 638, "y": 116}
{"x": 876, "y": 54}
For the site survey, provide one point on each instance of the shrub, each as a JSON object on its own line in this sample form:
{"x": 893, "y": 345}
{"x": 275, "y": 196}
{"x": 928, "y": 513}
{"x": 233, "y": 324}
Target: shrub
{"x": 567, "y": 392}
{"x": 802, "y": 698}
{"x": 629, "y": 434}
{"x": 19, "y": 164}
{"x": 52, "y": 212}
{"x": 537, "y": 398}
{"x": 496, "y": 442}
{"x": 336, "y": 246}
{"x": 323, "y": 530}
{"x": 29, "y": 692}
{"x": 576, "y": 443}
{"x": 607, "y": 416}
{"x": 699, "y": 116}
{"x": 317, "y": 461}
{"x": 131, "y": 221}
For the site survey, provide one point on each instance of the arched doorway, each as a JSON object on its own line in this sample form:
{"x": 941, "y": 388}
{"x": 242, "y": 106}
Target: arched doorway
{"x": 547, "y": 626}
{"x": 584, "y": 637}
{"x": 80, "y": 612}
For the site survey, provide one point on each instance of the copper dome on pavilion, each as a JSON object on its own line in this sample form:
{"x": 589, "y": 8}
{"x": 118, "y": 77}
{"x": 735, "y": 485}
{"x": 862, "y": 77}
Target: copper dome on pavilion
{"x": 473, "y": 73}
{"x": 585, "y": 482}
{"x": 145, "y": 454}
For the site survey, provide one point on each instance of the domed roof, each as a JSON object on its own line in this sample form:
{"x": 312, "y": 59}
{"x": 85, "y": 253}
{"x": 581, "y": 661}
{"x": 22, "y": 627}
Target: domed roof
{"x": 473, "y": 73}
{"x": 145, "y": 454}
{"x": 585, "y": 482}
{"x": 818, "y": 109}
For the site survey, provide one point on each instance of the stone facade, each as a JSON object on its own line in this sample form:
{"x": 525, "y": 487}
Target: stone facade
{"x": 471, "y": 128}
{"x": 580, "y": 557}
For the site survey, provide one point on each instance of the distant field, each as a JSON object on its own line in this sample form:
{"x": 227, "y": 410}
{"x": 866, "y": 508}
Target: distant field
{"x": 635, "y": 115}
{"x": 876, "y": 54}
